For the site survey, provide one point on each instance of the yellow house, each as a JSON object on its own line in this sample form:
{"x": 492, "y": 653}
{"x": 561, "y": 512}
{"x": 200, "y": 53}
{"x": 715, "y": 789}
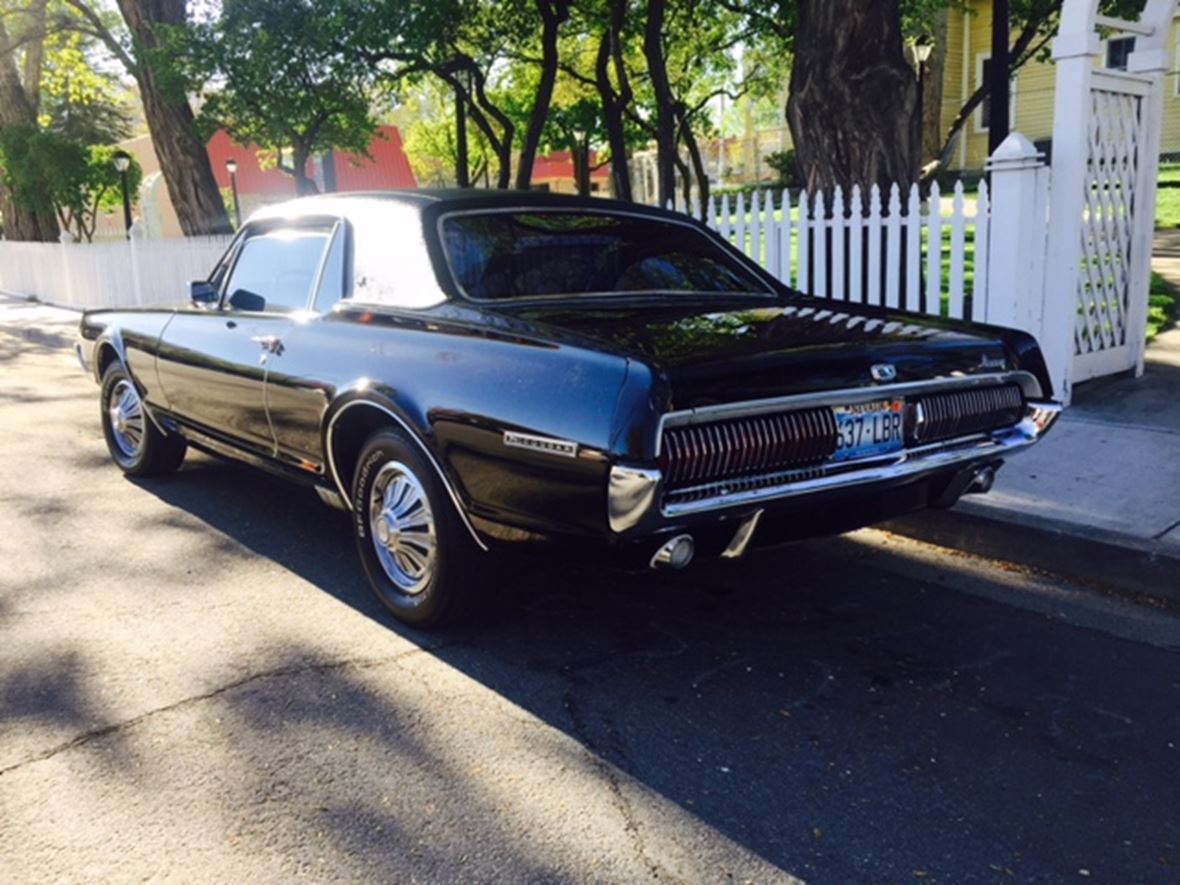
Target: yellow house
{"x": 968, "y": 52}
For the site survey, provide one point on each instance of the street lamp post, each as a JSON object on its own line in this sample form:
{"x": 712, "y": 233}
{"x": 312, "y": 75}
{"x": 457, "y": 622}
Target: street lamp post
{"x": 581, "y": 162}
{"x": 232, "y": 166}
{"x": 122, "y": 161}
{"x": 921, "y": 49}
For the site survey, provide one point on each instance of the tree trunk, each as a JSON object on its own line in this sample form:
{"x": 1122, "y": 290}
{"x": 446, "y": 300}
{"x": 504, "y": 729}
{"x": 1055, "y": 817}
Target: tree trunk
{"x": 183, "y": 159}
{"x": 653, "y": 51}
{"x": 553, "y": 13}
{"x": 462, "y": 164}
{"x": 853, "y": 96}
{"x": 614, "y": 104}
{"x": 35, "y": 223}
{"x": 580, "y": 154}
{"x": 305, "y": 185}
{"x": 34, "y": 61}
{"x": 481, "y": 108}
{"x": 698, "y": 162}
{"x": 932, "y": 93}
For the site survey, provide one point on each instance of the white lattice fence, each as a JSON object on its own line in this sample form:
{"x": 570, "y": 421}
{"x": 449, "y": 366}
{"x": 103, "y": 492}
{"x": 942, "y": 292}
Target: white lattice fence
{"x": 1102, "y": 339}
{"x": 1106, "y": 136}
{"x": 927, "y": 256}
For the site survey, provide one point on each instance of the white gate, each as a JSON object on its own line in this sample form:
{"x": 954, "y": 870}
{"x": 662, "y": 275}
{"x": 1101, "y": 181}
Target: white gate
{"x": 1103, "y": 342}
{"x": 1106, "y": 134}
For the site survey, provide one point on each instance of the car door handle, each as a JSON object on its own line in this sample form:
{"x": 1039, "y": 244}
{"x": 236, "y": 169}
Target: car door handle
{"x": 269, "y": 343}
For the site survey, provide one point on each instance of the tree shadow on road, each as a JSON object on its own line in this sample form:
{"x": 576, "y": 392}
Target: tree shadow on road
{"x": 830, "y": 717}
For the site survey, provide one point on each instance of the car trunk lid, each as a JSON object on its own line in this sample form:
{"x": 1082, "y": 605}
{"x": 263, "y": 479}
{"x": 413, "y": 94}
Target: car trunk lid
{"x": 714, "y": 353}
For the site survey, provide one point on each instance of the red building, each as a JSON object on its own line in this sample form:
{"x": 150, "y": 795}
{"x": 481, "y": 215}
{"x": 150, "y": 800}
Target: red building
{"x": 556, "y": 171}
{"x": 385, "y": 168}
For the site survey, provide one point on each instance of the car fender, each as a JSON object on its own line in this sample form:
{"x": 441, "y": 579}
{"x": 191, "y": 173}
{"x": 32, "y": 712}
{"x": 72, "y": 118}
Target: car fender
{"x": 366, "y": 394}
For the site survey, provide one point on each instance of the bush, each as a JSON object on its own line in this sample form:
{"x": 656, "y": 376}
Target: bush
{"x": 783, "y": 163}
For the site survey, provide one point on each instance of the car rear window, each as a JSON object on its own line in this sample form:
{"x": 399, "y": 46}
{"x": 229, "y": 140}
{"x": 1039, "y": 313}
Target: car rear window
{"x": 511, "y": 254}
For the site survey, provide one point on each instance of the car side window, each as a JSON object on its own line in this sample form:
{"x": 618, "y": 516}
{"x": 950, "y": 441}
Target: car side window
{"x": 275, "y": 270}
{"x": 333, "y": 279}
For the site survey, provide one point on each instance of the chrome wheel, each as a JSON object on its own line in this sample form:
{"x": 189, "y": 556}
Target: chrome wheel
{"x": 125, "y": 411}
{"x": 401, "y": 525}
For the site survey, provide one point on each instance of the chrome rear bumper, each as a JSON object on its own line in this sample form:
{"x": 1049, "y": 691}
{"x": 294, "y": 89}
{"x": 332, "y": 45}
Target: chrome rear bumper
{"x": 636, "y": 495}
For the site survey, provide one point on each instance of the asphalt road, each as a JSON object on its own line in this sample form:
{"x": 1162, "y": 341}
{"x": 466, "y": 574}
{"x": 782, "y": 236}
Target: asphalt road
{"x": 195, "y": 686}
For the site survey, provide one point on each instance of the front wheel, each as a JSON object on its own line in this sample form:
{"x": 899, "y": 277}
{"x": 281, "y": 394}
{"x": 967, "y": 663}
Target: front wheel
{"x": 135, "y": 443}
{"x": 416, "y": 552}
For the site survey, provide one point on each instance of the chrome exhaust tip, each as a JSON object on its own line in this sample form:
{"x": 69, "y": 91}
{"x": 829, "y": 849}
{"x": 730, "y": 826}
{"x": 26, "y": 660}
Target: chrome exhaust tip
{"x": 675, "y": 553}
{"x": 982, "y": 481}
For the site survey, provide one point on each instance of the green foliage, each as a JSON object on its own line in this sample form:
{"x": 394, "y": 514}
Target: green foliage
{"x": 81, "y": 182}
{"x": 286, "y": 74}
{"x": 40, "y": 168}
{"x": 783, "y": 163}
{"x": 81, "y": 100}
{"x": 426, "y": 119}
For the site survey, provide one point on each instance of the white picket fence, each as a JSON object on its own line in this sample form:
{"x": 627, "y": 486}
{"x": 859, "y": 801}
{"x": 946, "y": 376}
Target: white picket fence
{"x": 921, "y": 255}
{"x": 109, "y": 274}
{"x": 927, "y": 256}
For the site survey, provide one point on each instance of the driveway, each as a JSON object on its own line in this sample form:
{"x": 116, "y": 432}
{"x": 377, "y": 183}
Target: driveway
{"x": 195, "y": 685}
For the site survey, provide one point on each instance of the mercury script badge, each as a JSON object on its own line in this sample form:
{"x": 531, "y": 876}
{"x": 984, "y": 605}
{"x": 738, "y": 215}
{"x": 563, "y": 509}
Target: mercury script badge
{"x": 561, "y": 447}
{"x": 883, "y": 372}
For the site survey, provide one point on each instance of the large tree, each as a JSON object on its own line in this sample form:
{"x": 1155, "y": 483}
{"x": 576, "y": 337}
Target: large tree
{"x": 552, "y": 14}
{"x": 21, "y": 53}
{"x": 287, "y": 76}
{"x": 461, "y": 43}
{"x": 853, "y": 95}
{"x": 147, "y": 49}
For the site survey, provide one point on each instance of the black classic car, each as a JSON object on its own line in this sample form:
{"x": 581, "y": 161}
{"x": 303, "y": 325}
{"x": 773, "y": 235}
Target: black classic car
{"x": 470, "y": 371}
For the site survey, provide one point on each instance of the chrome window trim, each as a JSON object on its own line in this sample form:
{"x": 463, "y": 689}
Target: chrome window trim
{"x": 847, "y": 396}
{"x": 253, "y": 229}
{"x": 752, "y": 268}
{"x": 347, "y": 498}
{"x": 336, "y": 231}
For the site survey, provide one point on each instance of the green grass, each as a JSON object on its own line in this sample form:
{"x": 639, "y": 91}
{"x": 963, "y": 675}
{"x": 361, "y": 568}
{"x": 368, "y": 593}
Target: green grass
{"x": 1161, "y": 306}
{"x": 1167, "y": 198}
{"x": 968, "y": 252}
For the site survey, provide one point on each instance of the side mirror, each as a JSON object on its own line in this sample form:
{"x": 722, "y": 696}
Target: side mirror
{"x": 202, "y": 293}
{"x": 244, "y": 299}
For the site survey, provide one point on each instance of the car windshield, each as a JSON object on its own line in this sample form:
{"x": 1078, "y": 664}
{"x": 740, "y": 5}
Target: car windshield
{"x": 514, "y": 254}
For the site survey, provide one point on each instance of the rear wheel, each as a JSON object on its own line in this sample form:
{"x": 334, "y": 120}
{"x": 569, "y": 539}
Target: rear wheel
{"x": 416, "y": 552}
{"x": 135, "y": 443}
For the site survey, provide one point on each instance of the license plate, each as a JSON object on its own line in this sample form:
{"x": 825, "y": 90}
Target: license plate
{"x": 868, "y": 429}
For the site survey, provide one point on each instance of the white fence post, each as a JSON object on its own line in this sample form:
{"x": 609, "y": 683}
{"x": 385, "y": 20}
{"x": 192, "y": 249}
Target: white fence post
{"x": 1014, "y": 295}
{"x": 1150, "y": 58}
{"x": 1074, "y": 52}
{"x": 67, "y": 242}
{"x": 134, "y": 235}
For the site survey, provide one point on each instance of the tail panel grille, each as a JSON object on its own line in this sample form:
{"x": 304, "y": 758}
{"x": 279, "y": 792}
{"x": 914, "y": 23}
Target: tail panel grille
{"x": 746, "y": 446}
{"x": 939, "y": 416}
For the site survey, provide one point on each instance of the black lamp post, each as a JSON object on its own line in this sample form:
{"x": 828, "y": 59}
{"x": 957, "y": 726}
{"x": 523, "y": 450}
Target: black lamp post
{"x": 921, "y": 49}
{"x": 998, "y": 122}
{"x": 122, "y": 161}
{"x": 232, "y": 166}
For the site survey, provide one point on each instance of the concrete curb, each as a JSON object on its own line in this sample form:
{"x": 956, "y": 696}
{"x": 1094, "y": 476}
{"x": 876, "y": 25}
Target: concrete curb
{"x": 1144, "y": 571}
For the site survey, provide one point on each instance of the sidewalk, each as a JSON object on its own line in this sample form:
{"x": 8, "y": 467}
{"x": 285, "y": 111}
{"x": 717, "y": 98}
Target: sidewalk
{"x": 1098, "y": 500}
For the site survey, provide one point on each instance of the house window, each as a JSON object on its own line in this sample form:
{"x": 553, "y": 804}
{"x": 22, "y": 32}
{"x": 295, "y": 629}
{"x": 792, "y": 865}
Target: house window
{"x": 983, "y": 115}
{"x": 1118, "y": 51}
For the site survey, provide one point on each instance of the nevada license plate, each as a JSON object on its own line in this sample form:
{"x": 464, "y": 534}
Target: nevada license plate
{"x": 868, "y": 429}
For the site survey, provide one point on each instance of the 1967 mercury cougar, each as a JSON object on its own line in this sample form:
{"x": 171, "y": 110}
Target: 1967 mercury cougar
{"x": 466, "y": 371}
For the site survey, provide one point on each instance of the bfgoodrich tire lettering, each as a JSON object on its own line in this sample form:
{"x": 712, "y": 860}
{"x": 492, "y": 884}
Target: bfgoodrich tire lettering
{"x": 415, "y": 551}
